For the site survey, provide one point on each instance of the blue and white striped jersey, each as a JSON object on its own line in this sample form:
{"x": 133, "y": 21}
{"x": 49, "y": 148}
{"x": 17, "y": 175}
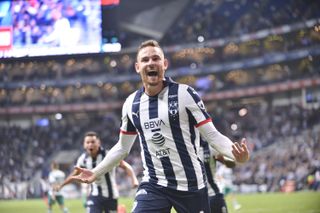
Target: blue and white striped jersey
{"x": 207, "y": 155}
{"x": 104, "y": 185}
{"x": 167, "y": 128}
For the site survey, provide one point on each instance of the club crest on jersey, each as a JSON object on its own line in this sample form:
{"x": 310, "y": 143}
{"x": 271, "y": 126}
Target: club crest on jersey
{"x": 201, "y": 105}
{"x": 173, "y": 108}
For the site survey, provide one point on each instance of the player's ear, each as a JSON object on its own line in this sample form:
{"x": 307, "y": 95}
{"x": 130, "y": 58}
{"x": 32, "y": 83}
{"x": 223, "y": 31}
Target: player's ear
{"x": 166, "y": 63}
{"x": 136, "y": 65}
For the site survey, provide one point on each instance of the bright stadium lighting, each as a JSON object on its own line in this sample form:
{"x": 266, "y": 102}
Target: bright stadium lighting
{"x": 234, "y": 127}
{"x": 193, "y": 66}
{"x": 200, "y": 39}
{"x": 58, "y": 116}
{"x": 242, "y": 112}
{"x": 113, "y": 63}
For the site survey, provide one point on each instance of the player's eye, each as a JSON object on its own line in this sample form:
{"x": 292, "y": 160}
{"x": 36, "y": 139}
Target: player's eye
{"x": 144, "y": 59}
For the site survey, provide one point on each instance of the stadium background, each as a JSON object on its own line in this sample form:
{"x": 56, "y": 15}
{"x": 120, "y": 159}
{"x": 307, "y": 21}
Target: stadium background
{"x": 255, "y": 64}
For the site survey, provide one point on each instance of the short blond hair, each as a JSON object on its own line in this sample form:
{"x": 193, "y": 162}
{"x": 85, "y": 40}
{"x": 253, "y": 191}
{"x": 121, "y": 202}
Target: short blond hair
{"x": 148, "y": 43}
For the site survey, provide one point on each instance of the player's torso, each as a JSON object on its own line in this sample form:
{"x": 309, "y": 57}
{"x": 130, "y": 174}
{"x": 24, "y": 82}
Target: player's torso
{"x": 105, "y": 185}
{"x": 168, "y": 139}
{"x": 56, "y": 177}
{"x": 207, "y": 157}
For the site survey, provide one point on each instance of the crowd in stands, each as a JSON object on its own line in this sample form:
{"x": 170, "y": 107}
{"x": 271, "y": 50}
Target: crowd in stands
{"x": 99, "y": 91}
{"x": 214, "y": 19}
{"x": 284, "y": 140}
{"x": 289, "y": 159}
{"x": 28, "y": 150}
{"x": 123, "y": 64}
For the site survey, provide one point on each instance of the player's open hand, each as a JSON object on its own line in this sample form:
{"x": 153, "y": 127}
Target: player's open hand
{"x": 82, "y": 176}
{"x": 241, "y": 151}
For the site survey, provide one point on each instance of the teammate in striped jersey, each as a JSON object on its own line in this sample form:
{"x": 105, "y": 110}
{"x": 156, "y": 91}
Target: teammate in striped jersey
{"x": 168, "y": 118}
{"x": 209, "y": 157}
{"x": 103, "y": 193}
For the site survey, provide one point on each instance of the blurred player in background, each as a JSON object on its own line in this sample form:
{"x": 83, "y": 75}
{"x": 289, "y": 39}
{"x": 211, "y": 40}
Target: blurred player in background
{"x": 55, "y": 178}
{"x": 209, "y": 158}
{"x": 168, "y": 117}
{"x": 102, "y": 195}
{"x": 224, "y": 178}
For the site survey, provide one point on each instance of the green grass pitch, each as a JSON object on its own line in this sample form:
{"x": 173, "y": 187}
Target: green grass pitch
{"x": 300, "y": 202}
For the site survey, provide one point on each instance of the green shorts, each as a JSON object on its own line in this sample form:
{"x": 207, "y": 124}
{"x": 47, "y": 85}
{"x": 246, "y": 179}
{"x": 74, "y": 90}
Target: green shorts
{"x": 227, "y": 190}
{"x": 59, "y": 199}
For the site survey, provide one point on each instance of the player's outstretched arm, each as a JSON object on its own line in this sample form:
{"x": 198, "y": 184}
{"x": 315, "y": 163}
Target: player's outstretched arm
{"x": 129, "y": 170}
{"x": 221, "y": 143}
{"x": 66, "y": 181}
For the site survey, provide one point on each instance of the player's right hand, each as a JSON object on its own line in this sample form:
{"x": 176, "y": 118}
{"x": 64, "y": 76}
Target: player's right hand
{"x": 82, "y": 175}
{"x": 56, "y": 188}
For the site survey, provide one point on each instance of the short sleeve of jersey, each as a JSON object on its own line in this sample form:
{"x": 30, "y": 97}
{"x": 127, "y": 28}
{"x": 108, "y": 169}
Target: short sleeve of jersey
{"x": 80, "y": 161}
{"x": 51, "y": 178}
{"x": 127, "y": 126}
{"x": 194, "y": 103}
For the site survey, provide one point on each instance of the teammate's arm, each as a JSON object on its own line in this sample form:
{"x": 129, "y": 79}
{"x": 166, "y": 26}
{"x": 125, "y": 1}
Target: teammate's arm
{"x": 129, "y": 170}
{"x": 67, "y": 180}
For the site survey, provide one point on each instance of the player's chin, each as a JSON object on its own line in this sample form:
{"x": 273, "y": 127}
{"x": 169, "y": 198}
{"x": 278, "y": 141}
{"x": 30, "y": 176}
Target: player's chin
{"x": 154, "y": 82}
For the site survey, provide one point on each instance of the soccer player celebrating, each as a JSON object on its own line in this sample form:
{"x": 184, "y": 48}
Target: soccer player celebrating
{"x": 168, "y": 117}
{"x": 103, "y": 194}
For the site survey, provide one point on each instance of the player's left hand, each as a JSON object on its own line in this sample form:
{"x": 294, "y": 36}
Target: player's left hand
{"x": 56, "y": 188}
{"x": 82, "y": 176}
{"x": 241, "y": 151}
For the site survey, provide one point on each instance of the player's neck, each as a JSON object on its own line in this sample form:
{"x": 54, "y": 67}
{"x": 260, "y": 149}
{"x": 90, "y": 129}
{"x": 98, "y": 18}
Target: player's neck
{"x": 153, "y": 90}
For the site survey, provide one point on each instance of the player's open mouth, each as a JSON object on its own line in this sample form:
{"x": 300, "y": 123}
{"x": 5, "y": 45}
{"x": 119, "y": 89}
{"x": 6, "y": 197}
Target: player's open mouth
{"x": 152, "y": 73}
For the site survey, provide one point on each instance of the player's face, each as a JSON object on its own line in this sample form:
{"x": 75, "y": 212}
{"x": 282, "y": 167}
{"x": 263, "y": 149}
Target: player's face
{"x": 151, "y": 65}
{"x": 91, "y": 144}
